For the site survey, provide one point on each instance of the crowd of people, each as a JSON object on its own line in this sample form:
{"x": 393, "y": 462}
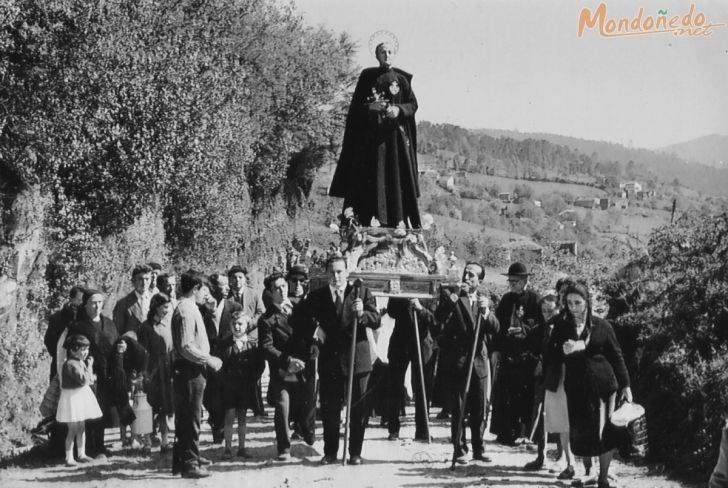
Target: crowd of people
{"x": 525, "y": 364}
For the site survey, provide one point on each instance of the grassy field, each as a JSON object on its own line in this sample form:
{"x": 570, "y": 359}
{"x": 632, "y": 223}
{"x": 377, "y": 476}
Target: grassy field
{"x": 507, "y": 185}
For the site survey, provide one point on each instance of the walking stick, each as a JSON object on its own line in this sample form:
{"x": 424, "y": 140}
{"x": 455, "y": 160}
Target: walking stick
{"x": 350, "y": 385}
{"x": 459, "y": 431}
{"x": 536, "y": 421}
{"x": 422, "y": 378}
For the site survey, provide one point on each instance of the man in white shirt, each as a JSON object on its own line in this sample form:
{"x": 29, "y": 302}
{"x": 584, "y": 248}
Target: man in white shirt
{"x": 191, "y": 358}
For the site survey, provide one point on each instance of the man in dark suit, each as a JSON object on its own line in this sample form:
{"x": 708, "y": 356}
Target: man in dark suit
{"x": 518, "y": 312}
{"x": 459, "y": 312}
{"x": 131, "y": 311}
{"x": 335, "y": 307}
{"x": 217, "y": 313}
{"x": 402, "y": 351}
{"x": 253, "y": 306}
{"x": 287, "y": 351}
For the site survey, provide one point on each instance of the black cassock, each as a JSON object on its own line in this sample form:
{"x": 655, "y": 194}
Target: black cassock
{"x": 377, "y": 169}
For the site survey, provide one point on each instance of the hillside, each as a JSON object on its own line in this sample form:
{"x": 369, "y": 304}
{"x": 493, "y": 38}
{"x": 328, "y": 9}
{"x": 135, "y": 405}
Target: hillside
{"x": 711, "y": 150}
{"x": 666, "y": 167}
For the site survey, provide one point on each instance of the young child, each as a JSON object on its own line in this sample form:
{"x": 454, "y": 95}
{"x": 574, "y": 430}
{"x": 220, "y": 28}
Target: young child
{"x": 239, "y": 373}
{"x": 77, "y": 402}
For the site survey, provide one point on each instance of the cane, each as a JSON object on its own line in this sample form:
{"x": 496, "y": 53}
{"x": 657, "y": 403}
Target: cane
{"x": 422, "y": 377}
{"x": 352, "y": 350}
{"x": 459, "y": 432}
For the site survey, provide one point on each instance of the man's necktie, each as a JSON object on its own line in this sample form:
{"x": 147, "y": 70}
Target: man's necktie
{"x": 339, "y": 304}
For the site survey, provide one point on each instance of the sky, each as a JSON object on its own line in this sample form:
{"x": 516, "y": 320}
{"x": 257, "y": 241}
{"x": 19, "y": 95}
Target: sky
{"x": 520, "y": 65}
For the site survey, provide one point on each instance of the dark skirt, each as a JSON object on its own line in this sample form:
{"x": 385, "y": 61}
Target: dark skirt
{"x": 159, "y": 387}
{"x": 590, "y": 432}
{"x": 239, "y": 393}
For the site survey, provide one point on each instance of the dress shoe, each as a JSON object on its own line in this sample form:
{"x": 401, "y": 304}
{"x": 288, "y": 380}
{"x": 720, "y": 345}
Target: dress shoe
{"x": 328, "y": 460}
{"x": 355, "y": 460}
{"x": 195, "y": 473}
{"x": 566, "y": 474}
{"x": 243, "y": 453}
{"x": 203, "y": 461}
{"x": 462, "y": 460}
{"x": 481, "y": 457}
{"x": 285, "y": 455}
{"x": 534, "y": 465}
{"x": 309, "y": 438}
{"x": 393, "y": 436}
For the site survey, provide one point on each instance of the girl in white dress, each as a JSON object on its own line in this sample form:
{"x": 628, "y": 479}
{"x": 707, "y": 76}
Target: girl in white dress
{"x": 77, "y": 402}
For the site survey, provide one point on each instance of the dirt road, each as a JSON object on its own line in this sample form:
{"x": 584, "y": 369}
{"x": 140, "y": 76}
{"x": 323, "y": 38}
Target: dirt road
{"x": 402, "y": 463}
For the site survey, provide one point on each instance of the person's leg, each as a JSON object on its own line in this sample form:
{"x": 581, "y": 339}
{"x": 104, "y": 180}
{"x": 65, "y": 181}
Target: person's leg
{"x": 605, "y": 411}
{"x": 397, "y": 372}
{"x": 568, "y": 472}
{"x": 228, "y": 430}
{"x": 282, "y": 403}
{"x": 455, "y": 390}
{"x": 242, "y": 431}
{"x": 81, "y": 443}
{"x": 306, "y": 410}
{"x": 332, "y": 393}
{"x": 72, "y": 426}
{"x": 476, "y": 409}
{"x": 358, "y": 414}
{"x": 421, "y": 408}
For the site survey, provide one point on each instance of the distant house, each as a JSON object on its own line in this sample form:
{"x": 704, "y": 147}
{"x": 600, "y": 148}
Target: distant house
{"x": 569, "y": 246}
{"x": 505, "y": 197}
{"x": 631, "y": 187}
{"x": 621, "y": 203}
{"x": 568, "y": 214}
{"x": 586, "y": 202}
{"x": 604, "y": 203}
{"x": 450, "y": 184}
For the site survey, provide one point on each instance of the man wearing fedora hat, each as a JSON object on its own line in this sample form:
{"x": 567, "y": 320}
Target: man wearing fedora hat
{"x": 519, "y": 313}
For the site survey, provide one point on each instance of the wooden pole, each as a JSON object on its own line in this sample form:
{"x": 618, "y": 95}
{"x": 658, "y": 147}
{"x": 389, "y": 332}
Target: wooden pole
{"x": 350, "y": 383}
{"x": 422, "y": 378}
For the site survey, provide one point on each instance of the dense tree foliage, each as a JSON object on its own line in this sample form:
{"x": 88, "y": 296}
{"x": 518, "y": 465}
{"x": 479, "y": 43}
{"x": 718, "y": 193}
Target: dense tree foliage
{"x": 679, "y": 322}
{"x": 199, "y": 110}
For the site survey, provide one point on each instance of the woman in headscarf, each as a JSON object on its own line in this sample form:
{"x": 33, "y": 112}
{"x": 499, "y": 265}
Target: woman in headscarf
{"x": 102, "y": 334}
{"x": 596, "y": 377}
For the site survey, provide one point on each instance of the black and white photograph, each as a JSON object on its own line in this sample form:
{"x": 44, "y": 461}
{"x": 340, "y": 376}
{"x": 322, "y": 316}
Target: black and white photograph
{"x": 394, "y": 243}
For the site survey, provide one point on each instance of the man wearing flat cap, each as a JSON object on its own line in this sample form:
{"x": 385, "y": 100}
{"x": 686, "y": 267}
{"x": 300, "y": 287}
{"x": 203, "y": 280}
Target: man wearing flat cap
{"x": 519, "y": 313}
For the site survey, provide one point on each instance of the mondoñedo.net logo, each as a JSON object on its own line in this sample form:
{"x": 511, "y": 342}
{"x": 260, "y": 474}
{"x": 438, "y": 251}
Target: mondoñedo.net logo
{"x": 691, "y": 23}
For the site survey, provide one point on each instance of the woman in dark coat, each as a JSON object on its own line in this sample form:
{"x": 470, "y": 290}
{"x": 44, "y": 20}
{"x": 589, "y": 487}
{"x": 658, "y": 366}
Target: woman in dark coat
{"x": 155, "y": 336}
{"x": 595, "y": 373}
{"x": 102, "y": 334}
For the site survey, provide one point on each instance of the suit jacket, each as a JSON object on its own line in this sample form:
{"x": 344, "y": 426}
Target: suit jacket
{"x": 251, "y": 301}
{"x": 458, "y": 334}
{"x": 217, "y": 334}
{"x": 335, "y": 351}
{"x": 516, "y": 344}
{"x": 402, "y": 341}
{"x": 279, "y": 340}
{"x": 128, "y": 314}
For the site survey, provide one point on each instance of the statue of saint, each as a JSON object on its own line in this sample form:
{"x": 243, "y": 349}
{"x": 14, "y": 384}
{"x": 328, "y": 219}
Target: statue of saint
{"x": 377, "y": 169}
